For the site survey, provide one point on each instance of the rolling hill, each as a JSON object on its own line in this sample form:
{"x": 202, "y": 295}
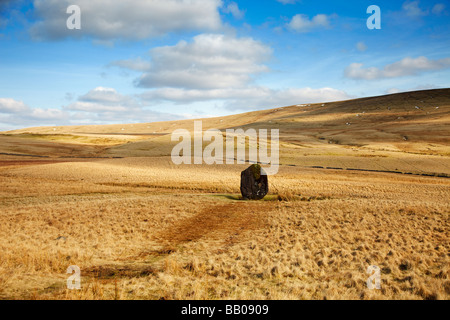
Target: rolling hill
{"x": 406, "y": 132}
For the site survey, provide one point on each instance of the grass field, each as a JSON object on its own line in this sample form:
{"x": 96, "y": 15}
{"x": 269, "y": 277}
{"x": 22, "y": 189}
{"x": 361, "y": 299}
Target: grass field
{"x": 361, "y": 182}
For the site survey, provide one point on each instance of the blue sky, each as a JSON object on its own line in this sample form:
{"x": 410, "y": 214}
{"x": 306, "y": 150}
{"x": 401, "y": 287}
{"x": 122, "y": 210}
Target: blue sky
{"x": 153, "y": 60}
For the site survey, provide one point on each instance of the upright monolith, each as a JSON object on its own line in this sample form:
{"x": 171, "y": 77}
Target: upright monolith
{"x": 254, "y": 183}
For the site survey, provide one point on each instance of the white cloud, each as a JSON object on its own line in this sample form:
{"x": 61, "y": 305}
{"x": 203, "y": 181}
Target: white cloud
{"x": 361, "y": 46}
{"x": 103, "y": 95}
{"x": 248, "y": 98}
{"x": 106, "y": 105}
{"x": 210, "y": 61}
{"x": 184, "y": 96}
{"x": 48, "y": 114}
{"x": 19, "y": 110}
{"x": 104, "y": 100}
{"x": 268, "y": 98}
{"x": 233, "y": 8}
{"x": 129, "y": 20}
{"x": 302, "y": 23}
{"x": 288, "y": 1}
{"x": 405, "y": 67}
{"x": 98, "y": 106}
{"x": 11, "y": 106}
{"x": 393, "y": 90}
{"x": 438, "y": 8}
{"x": 426, "y": 86}
{"x": 219, "y": 68}
{"x": 137, "y": 64}
{"x": 16, "y": 114}
{"x": 416, "y": 88}
{"x": 412, "y": 9}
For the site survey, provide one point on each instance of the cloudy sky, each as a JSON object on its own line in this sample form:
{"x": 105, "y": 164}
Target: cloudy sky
{"x": 152, "y": 60}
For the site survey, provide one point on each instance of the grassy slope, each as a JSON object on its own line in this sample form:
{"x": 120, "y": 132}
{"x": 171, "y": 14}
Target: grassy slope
{"x": 405, "y": 132}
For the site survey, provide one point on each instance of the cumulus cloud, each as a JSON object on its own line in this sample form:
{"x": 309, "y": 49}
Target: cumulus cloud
{"x": 233, "y": 8}
{"x": 416, "y": 88}
{"x": 412, "y": 9}
{"x": 302, "y": 23}
{"x": 11, "y": 106}
{"x": 361, "y": 46}
{"x": 210, "y": 61}
{"x": 268, "y": 98}
{"x": 438, "y": 8}
{"x": 47, "y": 114}
{"x": 137, "y": 64}
{"x": 129, "y": 20}
{"x": 16, "y": 114}
{"x": 106, "y": 105}
{"x": 249, "y": 98}
{"x": 183, "y": 96}
{"x": 219, "y": 68}
{"x": 105, "y": 95}
{"x": 405, "y": 67}
{"x": 288, "y": 1}
{"x": 393, "y": 90}
{"x": 98, "y": 106}
{"x": 426, "y": 86}
{"x": 104, "y": 100}
{"x": 20, "y": 110}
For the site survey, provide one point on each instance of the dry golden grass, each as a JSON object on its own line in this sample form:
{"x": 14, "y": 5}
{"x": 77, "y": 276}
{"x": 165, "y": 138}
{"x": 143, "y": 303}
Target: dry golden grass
{"x": 133, "y": 238}
{"x": 142, "y": 228}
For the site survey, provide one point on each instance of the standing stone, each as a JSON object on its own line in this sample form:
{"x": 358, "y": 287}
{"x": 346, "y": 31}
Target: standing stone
{"x": 254, "y": 183}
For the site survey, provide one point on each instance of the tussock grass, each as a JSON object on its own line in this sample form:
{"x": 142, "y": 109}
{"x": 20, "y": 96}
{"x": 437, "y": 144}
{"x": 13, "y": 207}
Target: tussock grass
{"x": 144, "y": 229}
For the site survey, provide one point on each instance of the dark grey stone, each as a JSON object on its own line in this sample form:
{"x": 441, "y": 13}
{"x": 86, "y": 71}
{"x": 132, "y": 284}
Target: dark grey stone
{"x": 254, "y": 183}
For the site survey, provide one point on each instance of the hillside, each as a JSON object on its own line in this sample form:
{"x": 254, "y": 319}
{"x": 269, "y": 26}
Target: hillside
{"x": 405, "y": 132}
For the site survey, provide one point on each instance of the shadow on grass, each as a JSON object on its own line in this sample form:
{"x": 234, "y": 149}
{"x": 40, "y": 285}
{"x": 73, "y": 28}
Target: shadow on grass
{"x": 238, "y": 197}
{"x": 234, "y": 197}
{"x": 272, "y": 197}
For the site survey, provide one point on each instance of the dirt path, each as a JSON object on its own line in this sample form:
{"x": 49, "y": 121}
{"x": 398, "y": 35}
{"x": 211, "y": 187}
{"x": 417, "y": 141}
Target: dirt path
{"x": 222, "y": 221}
{"x": 225, "y": 224}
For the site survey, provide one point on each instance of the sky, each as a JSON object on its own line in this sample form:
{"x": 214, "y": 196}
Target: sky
{"x": 155, "y": 60}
